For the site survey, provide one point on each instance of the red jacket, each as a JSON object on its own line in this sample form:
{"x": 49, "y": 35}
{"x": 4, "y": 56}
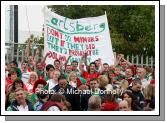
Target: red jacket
{"x": 111, "y": 106}
{"x": 49, "y": 104}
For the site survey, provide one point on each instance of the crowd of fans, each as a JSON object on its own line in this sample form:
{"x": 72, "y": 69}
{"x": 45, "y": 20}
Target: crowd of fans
{"x": 119, "y": 87}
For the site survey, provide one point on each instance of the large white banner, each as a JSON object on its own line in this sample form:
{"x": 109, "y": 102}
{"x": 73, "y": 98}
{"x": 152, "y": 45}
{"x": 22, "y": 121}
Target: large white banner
{"x": 65, "y": 36}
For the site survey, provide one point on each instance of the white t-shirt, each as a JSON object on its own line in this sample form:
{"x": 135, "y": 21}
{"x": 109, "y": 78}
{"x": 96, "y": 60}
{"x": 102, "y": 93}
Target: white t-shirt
{"x": 21, "y": 108}
{"x": 73, "y": 84}
{"x": 144, "y": 83}
{"x": 51, "y": 83}
{"x": 108, "y": 87}
{"x": 25, "y": 77}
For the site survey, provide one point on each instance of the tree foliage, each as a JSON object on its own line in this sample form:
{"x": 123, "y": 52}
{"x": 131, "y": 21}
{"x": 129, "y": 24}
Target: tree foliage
{"x": 132, "y": 28}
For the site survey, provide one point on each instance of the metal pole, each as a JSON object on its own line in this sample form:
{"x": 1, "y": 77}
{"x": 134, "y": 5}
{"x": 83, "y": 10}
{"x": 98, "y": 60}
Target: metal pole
{"x": 142, "y": 60}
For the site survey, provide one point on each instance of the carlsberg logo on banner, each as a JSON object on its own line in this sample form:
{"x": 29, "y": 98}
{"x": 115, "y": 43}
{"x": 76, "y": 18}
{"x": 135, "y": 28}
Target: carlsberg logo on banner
{"x": 74, "y": 37}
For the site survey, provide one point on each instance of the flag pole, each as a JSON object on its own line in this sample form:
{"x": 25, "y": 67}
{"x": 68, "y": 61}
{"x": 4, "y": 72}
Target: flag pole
{"x": 105, "y": 13}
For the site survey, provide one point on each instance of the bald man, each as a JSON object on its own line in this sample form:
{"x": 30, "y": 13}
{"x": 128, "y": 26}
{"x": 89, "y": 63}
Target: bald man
{"x": 123, "y": 106}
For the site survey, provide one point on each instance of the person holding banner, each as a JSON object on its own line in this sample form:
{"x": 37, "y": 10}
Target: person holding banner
{"x": 90, "y": 73}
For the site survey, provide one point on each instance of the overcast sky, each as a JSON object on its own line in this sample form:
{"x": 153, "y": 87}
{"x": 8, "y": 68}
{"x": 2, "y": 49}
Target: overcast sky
{"x": 35, "y": 17}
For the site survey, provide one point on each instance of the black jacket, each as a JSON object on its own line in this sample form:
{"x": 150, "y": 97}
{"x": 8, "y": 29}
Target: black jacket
{"x": 139, "y": 100}
{"x": 15, "y": 104}
{"x": 73, "y": 98}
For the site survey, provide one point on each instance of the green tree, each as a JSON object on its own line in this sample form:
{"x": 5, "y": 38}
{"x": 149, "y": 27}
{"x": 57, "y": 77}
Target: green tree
{"x": 132, "y": 28}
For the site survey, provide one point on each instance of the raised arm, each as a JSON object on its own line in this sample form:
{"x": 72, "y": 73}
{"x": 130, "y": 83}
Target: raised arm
{"x": 27, "y": 50}
{"x": 118, "y": 60}
{"x": 130, "y": 64}
{"x": 81, "y": 66}
{"x": 101, "y": 65}
{"x": 44, "y": 59}
{"x": 85, "y": 60}
{"x": 65, "y": 64}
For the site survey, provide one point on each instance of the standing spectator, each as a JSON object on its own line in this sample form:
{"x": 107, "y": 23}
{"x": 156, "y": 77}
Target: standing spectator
{"x": 51, "y": 83}
{"x": 149, "y": 96}
{"x": 105, "y": 69}
{"x": 133, "y": 104}
{"x": 74, "y": 65}
{"x": 31, "y": 64}
{"x": 38, "y": 86}
{"x": 73, "y": 80}
{"x": 20, "y": 103}
{"x": 141, "y": 75}
{"x": 123, "y": 64}
{"x": 110, "y": 103}
{"x": 57, "y": 65}
{"x": 67, "y": 106}
{"x": 129, "y": 75}
{"x": 104, "y": 83}
{"x": 124, "y": 84}
{"x": 94, "y": 103}
{"x": 149, "y": 73}
{"x": 24, "y": 67}
{"x": 68, "y": 69}
{"x": 123, "y": 106}
{"x": 136, "y": 91}
{"x": 14, "y": 65}
{"x": 49, "y": 69}
{"x": 56, "y": 103}
{"x": 12, "y": 75}
{"x": 40, "y": 70}
{"x": 25, "y": 73}
{"x": 10, "y": 96}
{"x": 31, "y": 80}
{"x": 65, "y": 88}
{"x": 91, "y": 72}
{"x": 93, "y": 89}
{"x": 18, "y": 83}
